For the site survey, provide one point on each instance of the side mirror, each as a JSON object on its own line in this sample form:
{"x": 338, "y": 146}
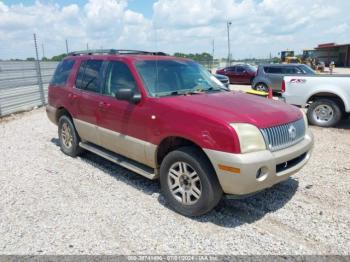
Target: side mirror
{"x": 127, "y": 94}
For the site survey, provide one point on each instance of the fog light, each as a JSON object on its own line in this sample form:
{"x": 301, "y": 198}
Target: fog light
{"x": 261, "y": 174}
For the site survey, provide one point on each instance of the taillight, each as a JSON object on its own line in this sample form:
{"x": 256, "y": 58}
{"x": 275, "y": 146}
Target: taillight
{"x": 283, "y": 87}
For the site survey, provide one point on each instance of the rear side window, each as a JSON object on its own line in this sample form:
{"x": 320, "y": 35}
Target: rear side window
{"x": 89, "y": 76}
{"x": 273, "y": 70}
{"x": 291, "y": 70}
{"x": 62, "y": 72}
{"x": 240, "y": 69}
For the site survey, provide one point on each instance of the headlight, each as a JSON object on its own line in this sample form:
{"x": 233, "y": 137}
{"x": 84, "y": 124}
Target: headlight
{"x": 250, "y": 137}
{"x": 305, "y": 119}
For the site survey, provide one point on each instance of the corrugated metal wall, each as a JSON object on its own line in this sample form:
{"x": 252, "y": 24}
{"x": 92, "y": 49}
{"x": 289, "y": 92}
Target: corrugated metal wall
{"x": 19, "y": 85}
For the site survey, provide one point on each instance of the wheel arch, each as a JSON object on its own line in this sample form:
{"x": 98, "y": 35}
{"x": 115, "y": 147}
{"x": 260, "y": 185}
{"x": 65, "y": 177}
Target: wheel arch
{"x": 328, "y": 95}
{"x": 171, "y": 143}
{"x": 62, "y": 111}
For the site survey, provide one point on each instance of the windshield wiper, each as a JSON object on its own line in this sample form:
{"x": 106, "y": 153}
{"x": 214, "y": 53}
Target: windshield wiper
{"x": 212, "y": 89}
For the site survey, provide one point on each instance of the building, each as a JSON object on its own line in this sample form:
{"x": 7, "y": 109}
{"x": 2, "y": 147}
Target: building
{"x": 339, "y": 54}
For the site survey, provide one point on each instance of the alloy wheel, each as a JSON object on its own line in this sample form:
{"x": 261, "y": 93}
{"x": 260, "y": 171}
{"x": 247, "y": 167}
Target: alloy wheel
{"x": 66, "y": 135}
{"x": 184, "y": 183}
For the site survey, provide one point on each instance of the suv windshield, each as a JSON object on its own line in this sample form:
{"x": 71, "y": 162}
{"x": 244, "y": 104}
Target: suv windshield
{"x": 176, "y": 77}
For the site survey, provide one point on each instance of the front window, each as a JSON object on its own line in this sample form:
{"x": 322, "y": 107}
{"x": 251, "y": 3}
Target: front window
{"x": 307, "y": 70}
{"x": 175, "y": 77}
{"x": 251, "y": 68}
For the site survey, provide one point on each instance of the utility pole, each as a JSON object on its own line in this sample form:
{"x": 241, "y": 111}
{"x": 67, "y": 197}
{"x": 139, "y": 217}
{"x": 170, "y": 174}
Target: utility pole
{"x": 43, "y": 50}
{"x": 38, "y": 72}
{"x": 67, "y": 50}
{"x": 228, "y": 43}
{"x": 87, "y": 46}
{"x": 212, "y": 54}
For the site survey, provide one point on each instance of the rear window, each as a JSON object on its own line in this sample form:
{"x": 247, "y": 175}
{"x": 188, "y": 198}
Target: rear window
{"x": 62, "y": 72}
{"x": 273, "y": 70}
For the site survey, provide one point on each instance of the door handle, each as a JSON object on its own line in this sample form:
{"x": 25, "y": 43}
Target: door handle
{"x": 72, "y": 96}
{"x": 103, "y": 106}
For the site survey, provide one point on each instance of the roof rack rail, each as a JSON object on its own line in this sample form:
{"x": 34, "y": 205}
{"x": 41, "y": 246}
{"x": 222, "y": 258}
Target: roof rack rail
{"x": 116, "y": 52}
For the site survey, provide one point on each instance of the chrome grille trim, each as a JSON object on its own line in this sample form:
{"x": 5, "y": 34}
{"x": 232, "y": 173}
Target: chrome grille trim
{"x": 280, "y": 137}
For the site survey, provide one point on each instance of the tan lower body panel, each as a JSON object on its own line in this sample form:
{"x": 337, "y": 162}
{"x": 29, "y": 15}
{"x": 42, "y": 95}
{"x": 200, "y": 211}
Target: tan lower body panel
{"x": 130, "y": 147}
{"x": 51, "y": 113}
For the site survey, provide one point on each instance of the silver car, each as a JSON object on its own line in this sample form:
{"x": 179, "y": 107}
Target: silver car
{"x": 271, "y": 75}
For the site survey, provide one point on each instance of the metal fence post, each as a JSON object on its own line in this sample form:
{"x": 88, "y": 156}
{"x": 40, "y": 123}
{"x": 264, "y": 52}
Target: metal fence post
{"x": 38, "y": 73}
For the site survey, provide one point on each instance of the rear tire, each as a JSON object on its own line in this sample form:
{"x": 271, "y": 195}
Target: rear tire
{"x": 261, "y": 87}
{"x": 202, "y": 191}
{"x": 324, "y": 113}
{"x": 68, "y": 137}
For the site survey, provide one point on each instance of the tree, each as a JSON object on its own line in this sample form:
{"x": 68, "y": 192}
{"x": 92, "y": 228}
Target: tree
{"x": 30, "y": 59}
{"x": 58, "y": 57}
{"x": 203, "y": 57}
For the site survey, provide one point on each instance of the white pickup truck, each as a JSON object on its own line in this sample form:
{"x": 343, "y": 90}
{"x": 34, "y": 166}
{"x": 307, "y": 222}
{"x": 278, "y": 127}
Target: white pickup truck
{"x": 326, "y": 97}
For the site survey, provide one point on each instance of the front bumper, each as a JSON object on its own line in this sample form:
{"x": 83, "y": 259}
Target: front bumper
{"x": 275, "y": 166}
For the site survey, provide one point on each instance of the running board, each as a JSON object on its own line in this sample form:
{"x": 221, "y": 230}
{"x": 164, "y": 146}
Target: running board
{"x": 134, "y": 166}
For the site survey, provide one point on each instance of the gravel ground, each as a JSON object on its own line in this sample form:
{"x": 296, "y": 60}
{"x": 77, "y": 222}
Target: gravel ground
{"x": 54, "y": 204}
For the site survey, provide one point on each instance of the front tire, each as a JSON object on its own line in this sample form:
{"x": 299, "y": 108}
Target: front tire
{"x": 324, "y": 113}
{"x": 68, "y": 137}
{"x": 189, "y": 183}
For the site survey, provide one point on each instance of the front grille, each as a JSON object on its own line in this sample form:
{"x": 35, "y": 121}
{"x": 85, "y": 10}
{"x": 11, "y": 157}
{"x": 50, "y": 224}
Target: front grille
{"x": 283, "y": 136}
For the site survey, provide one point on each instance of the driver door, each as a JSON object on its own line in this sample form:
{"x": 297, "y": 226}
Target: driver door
{"x": 121, "y": 124}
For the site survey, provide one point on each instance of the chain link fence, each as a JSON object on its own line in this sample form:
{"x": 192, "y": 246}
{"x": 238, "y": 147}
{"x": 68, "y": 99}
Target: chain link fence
{"x": 23, "y": 85}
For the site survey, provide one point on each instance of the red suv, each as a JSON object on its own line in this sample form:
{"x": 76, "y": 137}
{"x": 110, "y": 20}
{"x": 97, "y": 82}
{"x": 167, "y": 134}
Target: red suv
{"x": 169, "y": 118}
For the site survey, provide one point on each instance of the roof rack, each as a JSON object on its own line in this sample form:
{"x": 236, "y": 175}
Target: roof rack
{"x": 116, "y": 52}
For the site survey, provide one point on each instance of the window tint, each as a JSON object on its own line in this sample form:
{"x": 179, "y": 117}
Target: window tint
{"x": 291, "y": 70}
{"x": 80, "y": 76}
{"x": 273, "y": 70}
{"x": 62, "y": 72}
{"x": 88, "y": 75}
{"x": 118, "y": 76}
{"x": 231, "y": 69}
{"x": 240, "y": 69}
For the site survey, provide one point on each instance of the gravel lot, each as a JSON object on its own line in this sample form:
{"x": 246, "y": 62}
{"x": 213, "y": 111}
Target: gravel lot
{"x": 54, "y": 204}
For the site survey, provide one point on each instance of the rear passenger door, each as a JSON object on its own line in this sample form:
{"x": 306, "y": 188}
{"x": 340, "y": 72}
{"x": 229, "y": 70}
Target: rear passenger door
{"x": 275, "y": 76}
{"x": 231, "y": 73}
{"x": 87, "y": 93}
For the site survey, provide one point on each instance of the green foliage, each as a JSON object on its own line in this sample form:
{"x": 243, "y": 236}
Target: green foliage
{"x": 58, "y": 57}
{"x": 196, "y": 57}
{"x": 30, "y": 59}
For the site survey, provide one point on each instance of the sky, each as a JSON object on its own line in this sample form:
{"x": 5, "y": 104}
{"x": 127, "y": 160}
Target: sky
{"x": 258, "y": 27}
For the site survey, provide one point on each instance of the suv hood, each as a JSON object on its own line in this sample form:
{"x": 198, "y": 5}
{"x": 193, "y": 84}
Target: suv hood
{"x": 235, "y": 107}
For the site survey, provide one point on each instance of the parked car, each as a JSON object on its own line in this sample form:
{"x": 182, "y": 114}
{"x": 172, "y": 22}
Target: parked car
{"x": 239, "y": 74}
{"x": 224, "y": 80}
{"x": 271, "y": 75}
{"x": 166, "y": 117}
{"x": 327, "y": 97}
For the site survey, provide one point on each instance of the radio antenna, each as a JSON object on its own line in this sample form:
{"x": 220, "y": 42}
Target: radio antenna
{"x": 156, "y": 47}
